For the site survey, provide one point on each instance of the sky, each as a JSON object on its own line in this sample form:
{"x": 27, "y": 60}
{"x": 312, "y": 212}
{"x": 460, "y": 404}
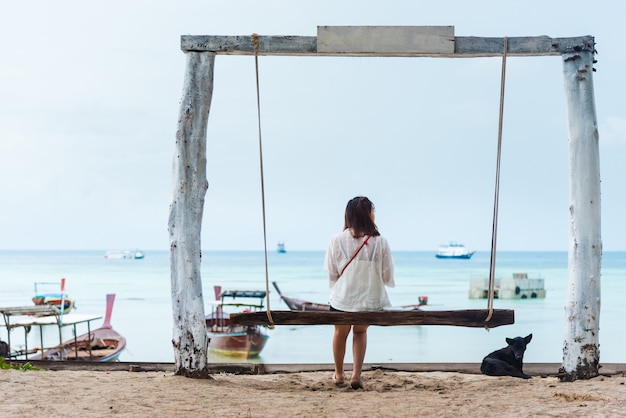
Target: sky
{"x": 89, "y": 103}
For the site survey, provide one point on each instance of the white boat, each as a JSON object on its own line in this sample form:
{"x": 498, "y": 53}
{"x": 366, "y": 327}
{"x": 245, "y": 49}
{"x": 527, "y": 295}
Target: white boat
{"x": 281, "y": 247}
{"x": 124, "y": 254}
{"x": 518, "y": 286}
{"x": 454, "y": 250}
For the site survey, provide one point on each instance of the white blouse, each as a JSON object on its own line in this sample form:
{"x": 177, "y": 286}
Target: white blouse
{"x": 361, "y": 287}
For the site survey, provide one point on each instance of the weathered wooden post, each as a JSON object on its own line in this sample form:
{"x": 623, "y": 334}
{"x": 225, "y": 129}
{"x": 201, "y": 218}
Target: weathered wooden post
{"x": 185, "y": 220}
{"x": 581, "y": 353}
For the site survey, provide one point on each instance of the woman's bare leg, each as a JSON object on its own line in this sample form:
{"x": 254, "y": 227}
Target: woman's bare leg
{"x": 359, "y": 345}
{"x": 339, "y": 348}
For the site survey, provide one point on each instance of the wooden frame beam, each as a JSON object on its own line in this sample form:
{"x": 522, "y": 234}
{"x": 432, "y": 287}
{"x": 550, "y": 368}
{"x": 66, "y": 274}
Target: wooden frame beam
{"x": 464, "y": 46}
{"x": 463, "y": 318}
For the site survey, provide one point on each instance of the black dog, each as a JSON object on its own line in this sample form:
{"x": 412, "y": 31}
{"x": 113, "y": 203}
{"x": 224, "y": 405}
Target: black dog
{"x": 507, "y": 361}
{"x": 4, "y": 349}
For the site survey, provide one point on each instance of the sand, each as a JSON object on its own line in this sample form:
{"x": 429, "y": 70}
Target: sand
{"x": 79, "y": 393}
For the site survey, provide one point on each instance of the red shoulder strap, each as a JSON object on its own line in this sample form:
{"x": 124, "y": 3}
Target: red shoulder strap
{"x": 354, "y": 255}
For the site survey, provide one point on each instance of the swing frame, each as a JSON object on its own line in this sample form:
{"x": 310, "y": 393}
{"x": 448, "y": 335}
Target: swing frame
{"x": 189, "y": 169}
{"x": 474, "y": 318}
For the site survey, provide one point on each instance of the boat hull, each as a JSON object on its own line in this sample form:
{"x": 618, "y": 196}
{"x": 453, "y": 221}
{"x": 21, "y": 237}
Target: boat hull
{"x": 242, "y": 343}
{"x": 100, "y": 345}
{"x": 461, "y": 256}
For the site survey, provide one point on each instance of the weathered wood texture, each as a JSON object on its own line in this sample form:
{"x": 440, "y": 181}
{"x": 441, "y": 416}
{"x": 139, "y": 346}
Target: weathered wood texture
{"x": 185, "y": 219}
{"x": 581, "y": 354}
{"x": 464, "y": 47}
{"x": 386, "y": 39}
{"x": 463, "y": 318}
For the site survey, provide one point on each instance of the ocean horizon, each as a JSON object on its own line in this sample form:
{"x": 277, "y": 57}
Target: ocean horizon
{"x": 143, "y": 313}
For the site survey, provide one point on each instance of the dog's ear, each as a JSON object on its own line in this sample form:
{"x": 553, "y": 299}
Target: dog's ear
{"x": 528, "y": 338}
{"x": 509, "y": 341}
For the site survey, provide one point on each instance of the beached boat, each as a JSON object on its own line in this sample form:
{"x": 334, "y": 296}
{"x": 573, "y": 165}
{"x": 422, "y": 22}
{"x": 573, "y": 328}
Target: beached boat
{"x": 519, "y": 286}
{"x": 304, "y": 305}
{"x": 454, "y": 250}
{"x": 235, "y": 340}
{"x": 124, "y": 255}
{"x": 103, "y": 344}
{"x": 59, "y": 300}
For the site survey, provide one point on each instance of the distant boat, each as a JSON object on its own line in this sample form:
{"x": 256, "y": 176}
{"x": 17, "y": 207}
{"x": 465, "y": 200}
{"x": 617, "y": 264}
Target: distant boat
{"x": 54, "y": 299}
{"x": 519, "y": 286}
{"x": 454, "y": 250}
{"x": 124, "y": 254}
{"x": 281, "y": 247}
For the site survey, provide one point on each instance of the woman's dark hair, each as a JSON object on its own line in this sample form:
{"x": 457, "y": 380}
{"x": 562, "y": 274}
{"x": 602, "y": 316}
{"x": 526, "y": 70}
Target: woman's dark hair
{"x": 358, "y": 217}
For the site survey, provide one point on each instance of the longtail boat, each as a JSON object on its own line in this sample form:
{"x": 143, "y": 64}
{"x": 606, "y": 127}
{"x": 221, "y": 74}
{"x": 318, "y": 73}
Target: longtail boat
{"x": 304, "y": 305}
{"x": 301, "y": 305}
{"x": 103, "y": 344}
{"x": 235, "y": 340}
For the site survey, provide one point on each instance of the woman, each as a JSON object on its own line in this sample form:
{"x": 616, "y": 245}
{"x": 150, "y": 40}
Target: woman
{"x": 359, "y": 266}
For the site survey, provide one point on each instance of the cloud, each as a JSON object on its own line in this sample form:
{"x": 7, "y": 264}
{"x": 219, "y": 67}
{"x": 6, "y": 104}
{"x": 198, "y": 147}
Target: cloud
{"x": 89, "y": 106}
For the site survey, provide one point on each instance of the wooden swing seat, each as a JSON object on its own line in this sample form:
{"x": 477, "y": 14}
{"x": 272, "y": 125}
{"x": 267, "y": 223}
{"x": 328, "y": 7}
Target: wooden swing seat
{"x": 462, "y": 318}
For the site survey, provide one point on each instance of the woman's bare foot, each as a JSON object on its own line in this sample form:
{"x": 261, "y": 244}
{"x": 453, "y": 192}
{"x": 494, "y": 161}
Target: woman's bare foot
{"x": 356, "y": 384}
{"x": 338, "y": 379}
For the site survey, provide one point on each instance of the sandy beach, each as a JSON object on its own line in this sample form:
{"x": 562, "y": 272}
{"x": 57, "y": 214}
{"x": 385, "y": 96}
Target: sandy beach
{"x": 95, "y": 393}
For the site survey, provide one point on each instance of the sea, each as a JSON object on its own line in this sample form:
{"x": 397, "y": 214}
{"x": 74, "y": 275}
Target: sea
{"x": 143, "y": 309}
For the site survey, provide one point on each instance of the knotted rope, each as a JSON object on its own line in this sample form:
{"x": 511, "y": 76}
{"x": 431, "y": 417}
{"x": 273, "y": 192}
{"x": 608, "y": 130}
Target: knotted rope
{"x": 494, "y": 228}
{"x": 255, "y": 42}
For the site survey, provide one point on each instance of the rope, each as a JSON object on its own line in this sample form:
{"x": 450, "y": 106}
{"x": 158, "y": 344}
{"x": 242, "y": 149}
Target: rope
{"x": 255, "y": 42}
{"x": 494, "y": 230}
